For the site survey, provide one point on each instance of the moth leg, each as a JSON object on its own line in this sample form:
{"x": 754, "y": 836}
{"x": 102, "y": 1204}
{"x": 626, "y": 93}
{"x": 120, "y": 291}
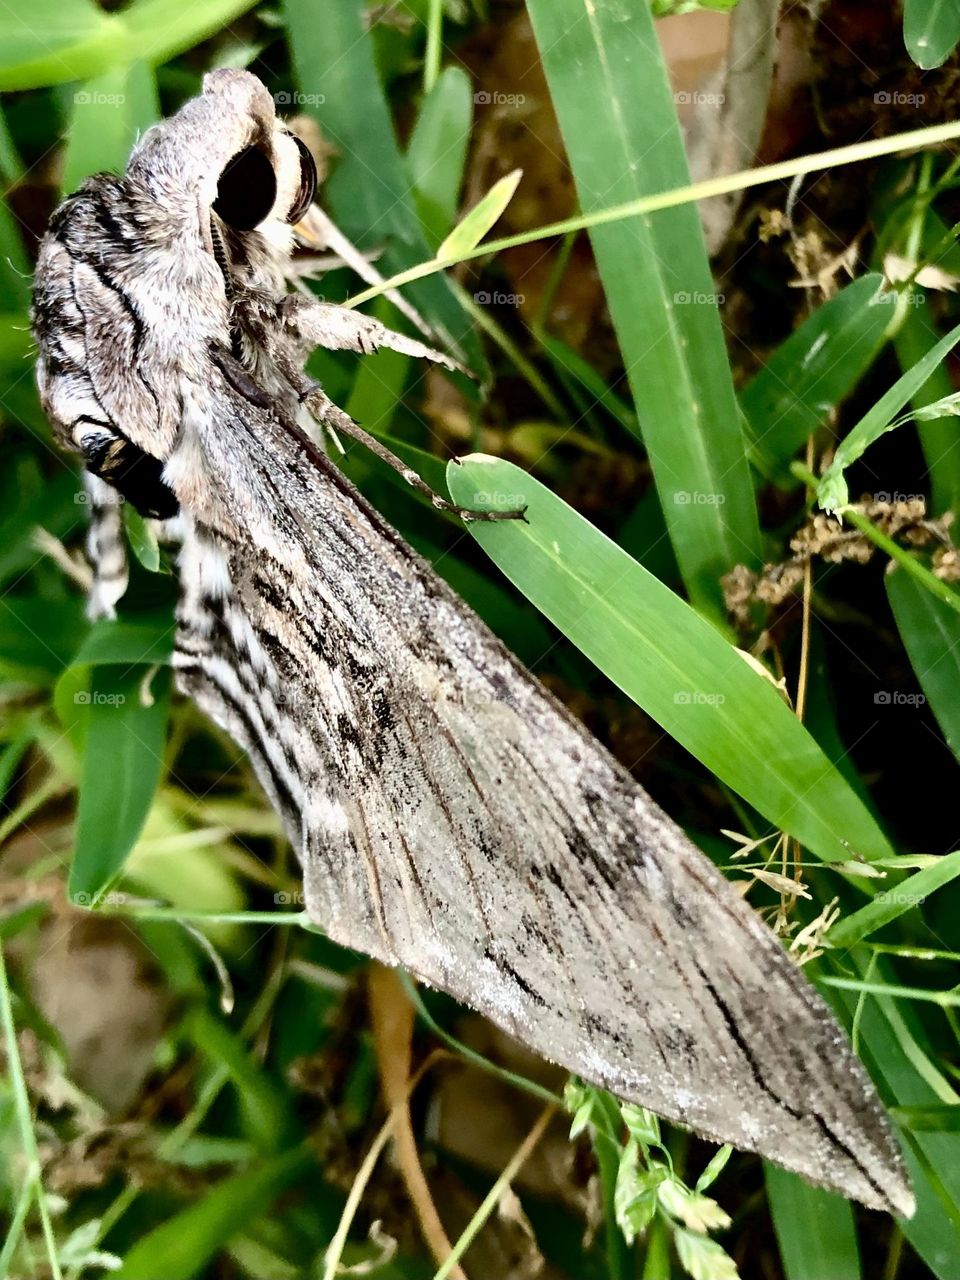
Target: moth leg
{"x": 322, "y": 324}
{"x": 318, "y": 230}
{"x": 106, "y": 548}
{"x": 331, "y": 415}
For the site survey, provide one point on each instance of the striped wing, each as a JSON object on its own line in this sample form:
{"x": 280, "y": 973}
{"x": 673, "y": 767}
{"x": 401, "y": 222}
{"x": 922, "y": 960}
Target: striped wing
{"x": 452, "y": 818}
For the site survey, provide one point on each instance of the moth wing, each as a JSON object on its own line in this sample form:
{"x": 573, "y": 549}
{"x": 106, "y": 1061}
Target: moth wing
{"x": 453, "y": 818}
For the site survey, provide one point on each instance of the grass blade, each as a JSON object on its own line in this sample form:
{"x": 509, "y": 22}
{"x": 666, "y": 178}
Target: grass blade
{"x": 832, "y": 488}
{"x": 930, "y": 630}
{"x": 938, "y": 438}
{"x": 122, "y": 765}
{"x": 666, "y": 657}
{"x": 812, "y": 371}
{"x": 369, "y": 192}
{"x": 816, "y": 1230}
{"x": 656, "y": 278}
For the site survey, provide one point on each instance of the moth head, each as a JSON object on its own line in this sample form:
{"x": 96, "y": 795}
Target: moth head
{"x": 226, "y": 160}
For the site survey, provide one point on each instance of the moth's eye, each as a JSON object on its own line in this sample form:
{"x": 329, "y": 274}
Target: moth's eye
{"x": 308, "y": 183}
{"x": 246, "y": 190}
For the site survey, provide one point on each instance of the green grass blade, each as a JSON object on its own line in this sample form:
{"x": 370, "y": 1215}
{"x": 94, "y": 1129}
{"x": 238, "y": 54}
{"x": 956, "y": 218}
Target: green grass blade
{"x": 832, "y": 489}
{"x": 812, "y": 371}
{"x": 930, "y": 631}
{"x": 816, "y": 1230}
{"x": 369, "y": 191}
{"x": 931, "y": 29}
{"x": 122, "y": 765}
{"x": 183, "y": 1246}
{"x": 900, "y": 1067}
{"x": 915, "y": 337}
{"x": 437, "y": 151}
{"x": 668, "y": 658}
{"x": 888, "y": 905}
{"x": 616, "y": 111}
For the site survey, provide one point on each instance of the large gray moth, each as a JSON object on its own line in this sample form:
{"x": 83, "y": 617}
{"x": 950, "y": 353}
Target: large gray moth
{"x": 450, "y": 816}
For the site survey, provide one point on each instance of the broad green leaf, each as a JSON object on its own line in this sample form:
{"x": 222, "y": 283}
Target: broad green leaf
{"x": 816, "y": 1229}
{"x": 832, "y": 490}
{"x": 369, "y": 191}
{"x": 616, "y": 111}
{"x": 54, "y": 41}
{"x": 930, "y": 631}
{"x": 437, "y": 151}
{"x": 812, "y": 371}
{"x": 122, "y": 764}
{"x": 183, "y": 1246}
{"x": 468, "y": 233}
{"x": 668, "y": 658}
{"x": 931, "y": 29}
{"x": 110, "y": 111}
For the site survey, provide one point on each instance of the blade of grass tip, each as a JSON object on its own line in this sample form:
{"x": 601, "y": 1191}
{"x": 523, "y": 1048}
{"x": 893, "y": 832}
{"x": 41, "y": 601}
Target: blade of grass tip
{"x": 882, "y": 417}
{"x": 656, "y": 278}
{"x": 930, "y": 136}
{"x": 930, "y": 631}
{"x": 931, "y": 29}
{"x": 437, "y": 151}
{"x": 21, "y": 1102}
{"x": 885, "y": 907}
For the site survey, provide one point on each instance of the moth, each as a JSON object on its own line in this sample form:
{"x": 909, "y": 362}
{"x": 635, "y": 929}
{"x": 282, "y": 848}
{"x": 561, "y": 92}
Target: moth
{"x": 450, "y": 816}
